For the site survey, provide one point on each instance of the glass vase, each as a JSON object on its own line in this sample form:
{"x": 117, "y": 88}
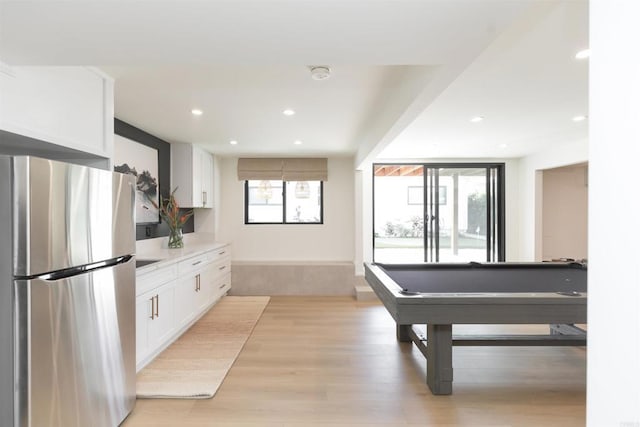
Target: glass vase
{"x": 175, "y": 239}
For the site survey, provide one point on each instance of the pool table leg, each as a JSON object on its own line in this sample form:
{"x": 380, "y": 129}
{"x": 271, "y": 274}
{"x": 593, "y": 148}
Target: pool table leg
{"x": 402, "y": 333}
{"x": 439, "y": 356}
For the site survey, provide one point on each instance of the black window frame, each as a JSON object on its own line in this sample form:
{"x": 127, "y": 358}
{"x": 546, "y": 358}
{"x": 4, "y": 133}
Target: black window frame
{"x": 499, "y": 236}
{"x": 284, "y": 206}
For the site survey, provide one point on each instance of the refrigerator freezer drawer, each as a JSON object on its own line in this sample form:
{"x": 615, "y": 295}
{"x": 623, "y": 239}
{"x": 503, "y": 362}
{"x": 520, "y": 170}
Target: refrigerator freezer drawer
{"x": 78, "y": 335}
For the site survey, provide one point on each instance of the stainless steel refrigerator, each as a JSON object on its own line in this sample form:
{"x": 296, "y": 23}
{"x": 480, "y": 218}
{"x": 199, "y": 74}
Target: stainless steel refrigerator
{"x": 67, "y": 294}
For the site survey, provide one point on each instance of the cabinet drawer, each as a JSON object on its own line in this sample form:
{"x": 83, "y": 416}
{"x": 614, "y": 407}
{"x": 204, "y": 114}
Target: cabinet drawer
{"x": 221, "y": 267}
{"x": 219, "y": 254}
{"x": 222, "y": 286}
{"x": 154, "y": 278}
{"x": 192, "y": 264}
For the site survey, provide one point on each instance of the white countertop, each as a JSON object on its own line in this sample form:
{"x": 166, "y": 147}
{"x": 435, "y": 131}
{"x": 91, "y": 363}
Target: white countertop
{"x": 156, "y": 249}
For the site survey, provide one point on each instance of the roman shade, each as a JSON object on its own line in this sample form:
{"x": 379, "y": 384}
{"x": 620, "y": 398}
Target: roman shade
{"x": 259, "y": 169}
{"x": 285, "y": 169}
{"x": 304, "y": 169}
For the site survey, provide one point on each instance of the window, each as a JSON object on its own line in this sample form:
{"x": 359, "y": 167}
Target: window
{"x": 283, "y": 202}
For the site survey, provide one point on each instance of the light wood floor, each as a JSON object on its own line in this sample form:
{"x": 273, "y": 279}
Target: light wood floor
{"x": 333, "y": 361}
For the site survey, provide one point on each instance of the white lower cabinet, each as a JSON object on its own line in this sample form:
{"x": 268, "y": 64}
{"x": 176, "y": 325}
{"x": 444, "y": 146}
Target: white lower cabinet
{"x": 222, "y": 286}
{"x": 187, "y": 297}
{"x": 155, "y": 321}
{"x": 171, "y": 298}
{"x": 219, "y": 278}
{"x": 220, "y": 272}
{"x": 190, "y": 298}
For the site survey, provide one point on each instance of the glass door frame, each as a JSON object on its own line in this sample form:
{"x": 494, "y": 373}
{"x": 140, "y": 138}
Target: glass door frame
{"x": 495, "y": 192}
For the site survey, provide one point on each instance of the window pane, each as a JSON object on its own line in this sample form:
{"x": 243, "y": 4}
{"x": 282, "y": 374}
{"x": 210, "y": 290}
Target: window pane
{"x": 264, "y": 201}
{"x": 463, "y": 223}
{"x": 304, "y": 201}
{"x": 399, "y": 213}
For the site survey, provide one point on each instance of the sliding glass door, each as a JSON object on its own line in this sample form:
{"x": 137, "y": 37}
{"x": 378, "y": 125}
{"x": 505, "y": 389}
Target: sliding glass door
{"x": 438, "y": 212}
{"x": 399, "y": 209}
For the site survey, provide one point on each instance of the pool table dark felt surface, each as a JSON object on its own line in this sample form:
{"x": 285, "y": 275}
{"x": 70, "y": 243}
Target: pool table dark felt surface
{"x": 494, "y": 278}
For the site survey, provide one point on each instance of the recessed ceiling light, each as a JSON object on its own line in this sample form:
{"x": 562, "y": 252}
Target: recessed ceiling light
{"x": 583, "y": 54}
{"x": 579, "y": 118}
{"x": 297, "y": 142}
{"x": 196, "y": 112}
{"x": 476, "y": 119}
{"x": 288, "y": 112}
{"x": 504, "y": 145}
{"x": 233, "y": 142}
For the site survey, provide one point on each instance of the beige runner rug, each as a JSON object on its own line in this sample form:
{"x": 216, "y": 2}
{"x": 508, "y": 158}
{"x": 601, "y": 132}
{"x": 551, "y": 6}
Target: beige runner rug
{"x": 195, "y": 365}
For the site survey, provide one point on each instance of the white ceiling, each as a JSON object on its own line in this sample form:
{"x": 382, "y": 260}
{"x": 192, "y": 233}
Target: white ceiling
{"x": 407, "y": 75}
{"x": 527, "y": 85}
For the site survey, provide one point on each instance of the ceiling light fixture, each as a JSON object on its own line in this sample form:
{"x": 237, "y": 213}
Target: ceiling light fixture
{"x": 476, "y": 119}
{"x": 233, "y": 142}
{"x": 583, "y": 54}
{"x": 264, "y": 190}
{"x": 297, "y": 142}
{"x": 579, "y": 118}
{"x": 320, "y": 72}
{"x": 196, "y": 112}
{"x": 288, "y": 112}
{"x": 302, "y": 190}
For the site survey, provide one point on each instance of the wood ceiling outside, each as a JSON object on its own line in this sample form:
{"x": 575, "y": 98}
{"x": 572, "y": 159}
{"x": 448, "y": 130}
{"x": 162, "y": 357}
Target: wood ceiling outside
{"x": 398, "y": 170}
{"x": 417, "y": 170}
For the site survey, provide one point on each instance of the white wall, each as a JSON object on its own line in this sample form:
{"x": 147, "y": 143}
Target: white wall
{"x": 364, "y": 223}
{"x": 529, "y": 194}
{"x": 359, "y": 221}
{"x": 331, "y": 241}
{"x": 613, "y": 365}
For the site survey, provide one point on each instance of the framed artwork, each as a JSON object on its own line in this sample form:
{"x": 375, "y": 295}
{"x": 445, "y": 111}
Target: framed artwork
{"x": 141, "y": 161}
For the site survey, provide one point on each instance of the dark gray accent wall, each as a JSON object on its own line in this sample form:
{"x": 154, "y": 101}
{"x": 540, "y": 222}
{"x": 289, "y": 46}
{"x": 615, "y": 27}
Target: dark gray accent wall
{"x": 148, "y": 231}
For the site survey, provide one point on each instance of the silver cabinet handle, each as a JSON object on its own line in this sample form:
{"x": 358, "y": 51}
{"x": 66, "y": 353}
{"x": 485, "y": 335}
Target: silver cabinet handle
{"x": 196, "y": 263}
{"x": 222, "y": 253}
{"x": 197, "y": 283}
{"x": 157, "y": 306}
{"x": 204, "y": 198}
{"x": 222, "y": 286}
{"x": 222, "y": 268}
{"x": 153, "y": 306}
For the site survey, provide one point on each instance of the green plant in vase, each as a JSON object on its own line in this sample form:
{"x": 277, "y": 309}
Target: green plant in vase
{"x": 170, "y": 214}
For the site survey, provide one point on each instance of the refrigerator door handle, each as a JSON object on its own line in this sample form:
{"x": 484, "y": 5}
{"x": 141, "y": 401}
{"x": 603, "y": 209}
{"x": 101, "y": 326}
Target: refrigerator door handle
{"x": 74, "y": 271}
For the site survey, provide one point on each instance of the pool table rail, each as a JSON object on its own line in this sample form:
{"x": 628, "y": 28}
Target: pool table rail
{"x": 477, "y": 307}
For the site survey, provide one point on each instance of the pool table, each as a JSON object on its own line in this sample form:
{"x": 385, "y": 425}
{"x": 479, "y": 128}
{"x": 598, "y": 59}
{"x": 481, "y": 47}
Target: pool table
{"x": 441, "y": 295}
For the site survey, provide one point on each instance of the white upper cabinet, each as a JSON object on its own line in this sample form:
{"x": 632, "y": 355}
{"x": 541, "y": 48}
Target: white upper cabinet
{"x": 192, "y": 174}
{"x": 70, "y": 107}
